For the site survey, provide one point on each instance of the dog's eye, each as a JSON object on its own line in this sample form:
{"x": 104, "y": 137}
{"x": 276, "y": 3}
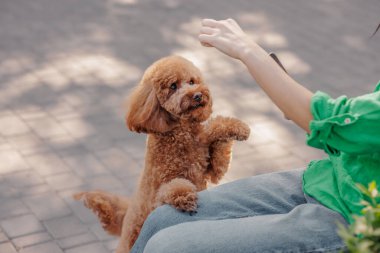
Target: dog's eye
{"x": 173, "y": 86}
{"x": 191, "y": 82}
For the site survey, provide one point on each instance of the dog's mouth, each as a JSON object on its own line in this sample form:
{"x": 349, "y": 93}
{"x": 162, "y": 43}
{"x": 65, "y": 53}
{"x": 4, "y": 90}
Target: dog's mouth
{"x": 191, "y": 106}
{"x": 197, "y": 106}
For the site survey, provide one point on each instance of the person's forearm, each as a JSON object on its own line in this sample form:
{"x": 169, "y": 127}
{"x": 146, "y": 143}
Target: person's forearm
{"x": 292, "y": 98}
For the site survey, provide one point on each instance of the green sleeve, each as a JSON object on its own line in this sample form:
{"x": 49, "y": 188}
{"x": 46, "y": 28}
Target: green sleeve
{"x": 377, "y": 87}
{"x": 347, "y": 125}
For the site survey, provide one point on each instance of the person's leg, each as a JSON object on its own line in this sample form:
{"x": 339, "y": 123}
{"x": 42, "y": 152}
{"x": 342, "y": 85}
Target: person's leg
{"x": 275, "y": 193}
{"x": 307, "y": 228}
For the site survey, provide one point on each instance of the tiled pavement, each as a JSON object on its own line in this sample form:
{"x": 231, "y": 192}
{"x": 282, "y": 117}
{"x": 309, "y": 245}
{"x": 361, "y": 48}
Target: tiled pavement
{"x": 66, "y": 67}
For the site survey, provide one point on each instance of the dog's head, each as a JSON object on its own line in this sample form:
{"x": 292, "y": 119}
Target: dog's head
{"x": 171, "y": 90}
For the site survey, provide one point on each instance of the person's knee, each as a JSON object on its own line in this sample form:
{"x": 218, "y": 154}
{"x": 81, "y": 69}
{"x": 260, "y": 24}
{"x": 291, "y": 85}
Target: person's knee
{"x": 167, "y": 241}
{"x": 160, "y": 218}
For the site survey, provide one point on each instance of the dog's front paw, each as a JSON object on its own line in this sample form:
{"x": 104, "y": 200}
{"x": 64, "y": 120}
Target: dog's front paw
{"x": 236, "y": 129}
{"x": 242, "y": 131}
{"x": 186, "y": 201}
{"x": 180, "y": 193}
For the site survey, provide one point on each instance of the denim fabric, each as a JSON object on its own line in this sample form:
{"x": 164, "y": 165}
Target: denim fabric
{"x": 265, "y": 213}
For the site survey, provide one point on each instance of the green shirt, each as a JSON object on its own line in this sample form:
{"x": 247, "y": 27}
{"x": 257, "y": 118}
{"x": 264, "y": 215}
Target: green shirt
{"x": 349, "y": 132}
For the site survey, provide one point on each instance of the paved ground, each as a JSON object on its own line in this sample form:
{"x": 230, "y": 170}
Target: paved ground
{"x": 67, "y": 66}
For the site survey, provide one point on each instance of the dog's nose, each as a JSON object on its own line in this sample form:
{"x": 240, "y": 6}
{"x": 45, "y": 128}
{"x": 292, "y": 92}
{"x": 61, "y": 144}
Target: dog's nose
{"x": 197, "y": 97}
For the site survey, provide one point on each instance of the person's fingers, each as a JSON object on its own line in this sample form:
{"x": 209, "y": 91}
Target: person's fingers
{"x": 232, "y": 21}
{"x": 210, "y": 22}
{"x": 205, "y": 44}
{"x": 206, "y": 40}
{"x": 207, "y": 30}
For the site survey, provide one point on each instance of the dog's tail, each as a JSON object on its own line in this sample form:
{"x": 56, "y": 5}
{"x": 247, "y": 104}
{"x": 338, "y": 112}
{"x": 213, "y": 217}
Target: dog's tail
{"x": 109, "y": 208}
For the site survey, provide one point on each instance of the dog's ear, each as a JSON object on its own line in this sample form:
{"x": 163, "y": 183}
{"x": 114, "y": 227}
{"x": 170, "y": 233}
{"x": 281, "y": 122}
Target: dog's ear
{"x": 145, "y": 114}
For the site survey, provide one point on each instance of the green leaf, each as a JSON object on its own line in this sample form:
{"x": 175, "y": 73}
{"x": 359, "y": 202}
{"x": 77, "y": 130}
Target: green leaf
{"x": 363, "y": 235}
{"x": 372, "y": 186}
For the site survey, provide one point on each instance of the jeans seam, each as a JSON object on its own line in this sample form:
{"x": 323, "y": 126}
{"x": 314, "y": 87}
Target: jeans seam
{"x": 321, "y": 249}
{"x": 326, "y": 249}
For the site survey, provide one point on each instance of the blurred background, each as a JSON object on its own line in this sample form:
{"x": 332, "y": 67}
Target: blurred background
{"x": 67, "y": 66}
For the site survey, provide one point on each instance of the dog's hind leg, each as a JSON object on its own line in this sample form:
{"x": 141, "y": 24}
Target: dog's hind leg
{"x": 133, "y": 221}
{"x": 109, "y": 208}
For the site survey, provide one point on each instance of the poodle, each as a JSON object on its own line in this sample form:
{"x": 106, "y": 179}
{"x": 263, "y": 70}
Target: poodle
{"x": 185, "y": 148}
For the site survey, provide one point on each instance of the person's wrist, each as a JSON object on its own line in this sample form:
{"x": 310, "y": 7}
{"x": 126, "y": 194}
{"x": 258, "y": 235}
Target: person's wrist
{"x": 249, "y": 52}
{"x": 245, "y": 52}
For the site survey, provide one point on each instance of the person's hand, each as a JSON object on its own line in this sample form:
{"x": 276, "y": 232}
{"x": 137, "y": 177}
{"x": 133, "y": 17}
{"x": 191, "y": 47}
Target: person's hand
{"x": 226, "y": 36}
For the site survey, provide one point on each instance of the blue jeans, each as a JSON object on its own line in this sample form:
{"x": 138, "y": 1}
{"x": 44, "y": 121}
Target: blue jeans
{"x": 265, "y": 213}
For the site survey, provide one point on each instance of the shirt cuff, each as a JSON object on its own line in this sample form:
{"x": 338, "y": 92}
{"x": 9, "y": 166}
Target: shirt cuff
{"x": 327, "y": 113}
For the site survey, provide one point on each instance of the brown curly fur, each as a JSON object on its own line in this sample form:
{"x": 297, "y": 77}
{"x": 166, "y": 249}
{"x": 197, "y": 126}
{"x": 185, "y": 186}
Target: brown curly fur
{"x": 184, "y": 152}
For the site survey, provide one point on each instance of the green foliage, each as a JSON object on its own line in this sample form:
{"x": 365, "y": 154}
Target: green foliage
{"x": 363, "y": 235}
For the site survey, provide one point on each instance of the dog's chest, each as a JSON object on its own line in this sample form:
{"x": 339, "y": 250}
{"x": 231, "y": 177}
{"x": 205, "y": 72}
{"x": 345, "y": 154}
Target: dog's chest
{"x": 182, "y": 151}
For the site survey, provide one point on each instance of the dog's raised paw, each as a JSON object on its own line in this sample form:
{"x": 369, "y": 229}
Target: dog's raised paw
{"x": 243, "y": 132}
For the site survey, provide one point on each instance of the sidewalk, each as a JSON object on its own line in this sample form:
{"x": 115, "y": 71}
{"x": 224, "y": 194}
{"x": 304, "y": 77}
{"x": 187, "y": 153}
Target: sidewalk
{"x": 66, "y": 68}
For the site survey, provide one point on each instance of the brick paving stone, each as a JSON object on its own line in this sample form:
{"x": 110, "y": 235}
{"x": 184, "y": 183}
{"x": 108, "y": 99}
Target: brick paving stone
{"x": 281, "y": 132}
{"x": 282, "y": 164}
{"x": 5, "y": 111}
{"x": 30, "y": 112}
{"x": 21, "y": 225}
{"x": 3, "y": 237}
{"x": 77, "y": 127}
{"x": 119, "y": 162}
{"x": 47, "y": 164}
{"x": 49, "y": 247}
{"x": 85, "y": 165}
{"x": 113, "y": 130}
{"x": 271, "y": 150}
{"x": 98, "y": 143}
{"x": 112, "y": 244}
{"x": 12, "y": 207}
{"x": 52, "y": 78}
{"x": 307, "y": 153}
{"x": 134, "y": 146}
{"x": 242, "y": 148}
{"x": 34, "y": 190}
{"x": 11, "y": 66}
{"x": 65, "y": 226}
{"x": 63, "y": 181}
{"x": 90, "y": 248}
{"x": 12, "y": 161}
{"x": 66, "y": 145}
{"x": 104, "y": 182}
{"x": 7, "y": 248}
{"x": 32, "y": 239}
{"x": 5, "y": 146}
{"x": 13, "y": 125}
{"x": 76, "y": 240}
{"x": 46, "y": 127}
{"x": 28, "y": 144}
{"x": 102, "y": 116}
{"x": 100, "y": 233}
{"x": 69, "y": 115}
{"x": 77, "y": 99}
{"x": 60, "y": 109}
{"x": 8, "y": 191}
{"x": 47, "y": 206}
{"x": 24, "y": 179}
